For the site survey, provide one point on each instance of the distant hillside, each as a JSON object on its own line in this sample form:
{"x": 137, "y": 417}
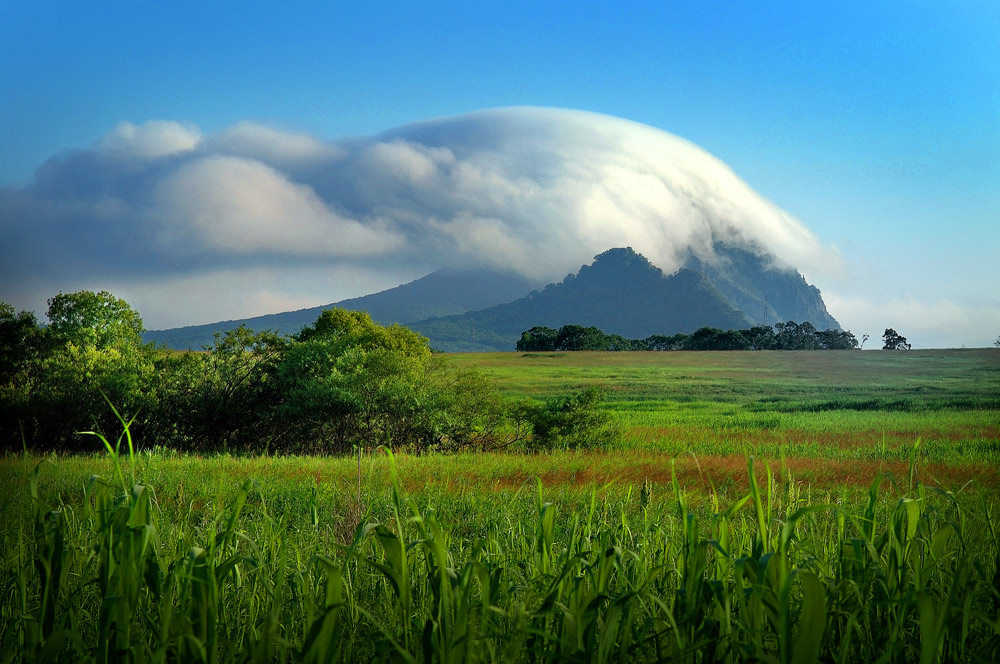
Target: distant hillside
{"x": 441, "y": 293}
{"x": 621, "y": 293}
{"x": 765, "y": 294}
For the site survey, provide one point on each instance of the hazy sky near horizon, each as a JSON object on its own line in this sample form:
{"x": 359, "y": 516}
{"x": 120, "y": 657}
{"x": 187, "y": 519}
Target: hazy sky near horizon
{"x": 877, "y": 125}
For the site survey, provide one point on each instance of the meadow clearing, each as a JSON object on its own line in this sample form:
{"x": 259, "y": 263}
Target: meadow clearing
{"x": 760, "y": 506}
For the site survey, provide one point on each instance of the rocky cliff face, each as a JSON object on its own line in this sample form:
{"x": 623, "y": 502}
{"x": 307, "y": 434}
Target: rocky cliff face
{"x": 764, "y": 292}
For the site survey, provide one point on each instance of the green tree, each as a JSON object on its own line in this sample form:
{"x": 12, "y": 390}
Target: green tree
{"x": 21, "y": 341}
{"x": 664, "y": 342}
{"x": 93, "y": 319}
{"x": 836, "y": 340}
{"x": 704, "y": 338}
{"x": 538, "y": 338}
{"x": 795, "y": 336}
{"x": 92, "y": 354}
{"x": 349, "y": 381}
{"x": 617, "y": 342}
{"x": 464, "y": 410}
{"x": 577, "y": 337}
{"x": 731, "y": 340}
{"x": 710, "y": 338}
{"x": 760, "y": 337}
{"x": 223, "y": 397}
{"x": 21, "y": 348}
{"x": 892, "y": 340}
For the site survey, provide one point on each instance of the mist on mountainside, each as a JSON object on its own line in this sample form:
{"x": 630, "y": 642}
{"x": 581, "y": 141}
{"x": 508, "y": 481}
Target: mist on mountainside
{"x": 441, "y": 293}
{"x": 765, "y": 292}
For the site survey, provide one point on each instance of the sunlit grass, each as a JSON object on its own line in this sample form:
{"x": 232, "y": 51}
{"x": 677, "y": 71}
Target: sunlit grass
{"x": 830, "y": 405}
{"x": 709, "y": 561}
{"x": 765, "y": 507}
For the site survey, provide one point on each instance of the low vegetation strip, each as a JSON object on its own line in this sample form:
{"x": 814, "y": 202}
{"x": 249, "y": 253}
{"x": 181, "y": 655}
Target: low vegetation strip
{"x": 182, "y": 481}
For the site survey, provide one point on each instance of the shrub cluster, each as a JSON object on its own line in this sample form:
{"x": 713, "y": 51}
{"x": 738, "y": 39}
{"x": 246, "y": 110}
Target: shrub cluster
{"x": 783, "y": 336}
{"x": 343, "y": 382}
{"x": 569, "y": 422}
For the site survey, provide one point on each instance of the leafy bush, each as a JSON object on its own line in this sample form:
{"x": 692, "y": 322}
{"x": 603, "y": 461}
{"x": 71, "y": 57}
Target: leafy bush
{"x": 220, "y": 398}
{"x": 343, "y": 383}
{"x": 57, "y": 379}
{"x": 573, "y": 422}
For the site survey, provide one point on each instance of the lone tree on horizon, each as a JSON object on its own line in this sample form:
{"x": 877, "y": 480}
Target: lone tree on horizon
{"x": 893, "y": 340}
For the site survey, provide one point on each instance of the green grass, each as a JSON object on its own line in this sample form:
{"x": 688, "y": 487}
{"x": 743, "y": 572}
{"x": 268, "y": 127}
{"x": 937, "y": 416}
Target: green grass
{"x": 283, "y": 569}
{"x": 746, "y": 377}
{"x": 864, "y": 530}
{"x": 829, "y": 404}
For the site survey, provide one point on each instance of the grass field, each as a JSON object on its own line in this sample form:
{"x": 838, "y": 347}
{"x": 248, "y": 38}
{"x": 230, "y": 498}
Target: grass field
{"x": 865, "y": 532}
{"x": 860, "y": 411}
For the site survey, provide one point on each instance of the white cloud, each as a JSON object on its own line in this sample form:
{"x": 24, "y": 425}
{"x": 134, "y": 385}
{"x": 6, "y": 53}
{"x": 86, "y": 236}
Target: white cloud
{"x": 491, "y": 242}
{"x": 271, "y": 146}
{"x": 538, "y": 190}
{"x": 155, "y": 138}
{"x": 576, "y": 184}
{"x": 408, "y": 163}
{"x": 925, "y": 322}
{"x": 237, "y": 205}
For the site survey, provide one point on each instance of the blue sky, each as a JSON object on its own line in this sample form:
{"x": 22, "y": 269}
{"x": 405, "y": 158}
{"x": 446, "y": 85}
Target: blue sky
{"x": 875, "y": 124}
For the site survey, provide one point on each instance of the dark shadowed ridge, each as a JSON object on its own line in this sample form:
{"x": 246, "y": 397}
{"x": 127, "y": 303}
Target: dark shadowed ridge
{"x": 620, "y": 293}
{"x": 441, "y": 293}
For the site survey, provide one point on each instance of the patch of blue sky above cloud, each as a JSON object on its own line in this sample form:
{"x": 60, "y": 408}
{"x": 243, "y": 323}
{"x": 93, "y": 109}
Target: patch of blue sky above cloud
{"x": 878, "y": 127}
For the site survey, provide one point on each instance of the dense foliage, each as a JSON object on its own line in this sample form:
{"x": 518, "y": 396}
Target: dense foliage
{"x": 893, "y": 340}
{"x": 343, "y": 383}
{"x": 58, "y": 378}
{"x": 570, "y": 422}
{"x": 783, "y": 336}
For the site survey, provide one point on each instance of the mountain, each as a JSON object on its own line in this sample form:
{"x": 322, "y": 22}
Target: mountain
{"x": 620, "y": 292}
{"x": 440, "y": 293}
{"x": 765, "y": 292}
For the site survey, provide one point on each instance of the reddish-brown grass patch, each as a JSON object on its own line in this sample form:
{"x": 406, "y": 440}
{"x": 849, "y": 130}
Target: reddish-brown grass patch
{"x": 635, "y": 468}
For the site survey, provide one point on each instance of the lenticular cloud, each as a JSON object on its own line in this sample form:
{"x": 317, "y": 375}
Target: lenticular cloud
{"x": 533, "y": 190}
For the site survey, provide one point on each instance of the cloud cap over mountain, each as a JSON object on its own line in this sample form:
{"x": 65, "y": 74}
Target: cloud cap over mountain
{"x": 192, "y": 227}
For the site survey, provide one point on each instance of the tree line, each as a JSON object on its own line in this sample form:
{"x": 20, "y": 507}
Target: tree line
{"x": 783, "y": 336}
{"x": 340, "y": 384}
